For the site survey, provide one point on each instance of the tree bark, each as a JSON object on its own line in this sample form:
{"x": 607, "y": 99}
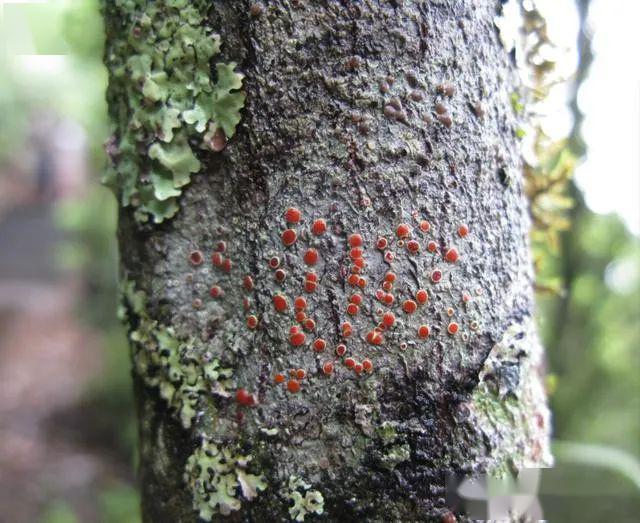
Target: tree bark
{"x": 368, "y": 115}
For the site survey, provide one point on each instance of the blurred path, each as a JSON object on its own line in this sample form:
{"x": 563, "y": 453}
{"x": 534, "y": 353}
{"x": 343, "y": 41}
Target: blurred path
{"x": 47, "y": 359}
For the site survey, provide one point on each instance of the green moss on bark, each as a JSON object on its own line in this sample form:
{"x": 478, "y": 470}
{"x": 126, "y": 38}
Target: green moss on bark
{"x": 507, "y": 404}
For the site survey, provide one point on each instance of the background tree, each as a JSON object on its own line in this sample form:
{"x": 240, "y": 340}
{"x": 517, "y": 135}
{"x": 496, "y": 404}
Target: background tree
{"x": 362, "y": 157}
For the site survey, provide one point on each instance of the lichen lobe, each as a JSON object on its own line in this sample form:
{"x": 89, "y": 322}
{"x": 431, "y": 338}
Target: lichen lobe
{"x": 166, "y": 100}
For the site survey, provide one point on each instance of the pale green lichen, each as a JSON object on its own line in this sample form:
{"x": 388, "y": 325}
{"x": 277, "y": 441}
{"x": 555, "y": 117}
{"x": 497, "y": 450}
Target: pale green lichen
{"x": 182, "y": 374}
{"x": 218, "y": 476}
{"x": 508, "y": 380}
{"x": 396, "y": 455}
{"x": 164, "y": 98}
{"x": 305, "y": 501}
{"x": 387, "y": 432}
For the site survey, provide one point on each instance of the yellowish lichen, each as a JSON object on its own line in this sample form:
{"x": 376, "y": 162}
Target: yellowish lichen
{"x": 218, "y": 476}
{"x": 183, "y": 374}
{"x": 305, "y": 501}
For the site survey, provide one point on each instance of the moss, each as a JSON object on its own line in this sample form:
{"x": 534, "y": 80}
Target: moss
{"x": 494, "y": 412}
{"x": 165, "y": 99}
{"x": 495, "y": 409}
{"x": 516, "y": 102}
{"x": 305, "y": 501}
{"x": 183, "y": 375}
{"x": 217, "y": 477}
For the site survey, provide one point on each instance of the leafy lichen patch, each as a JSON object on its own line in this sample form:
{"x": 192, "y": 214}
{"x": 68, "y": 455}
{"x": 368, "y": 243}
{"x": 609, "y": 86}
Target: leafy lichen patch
{"x": 167, "y": 100}
{"x": 181, "y": 373}
{"x": 305, "y": 501}
{"x": 218, "y": 476}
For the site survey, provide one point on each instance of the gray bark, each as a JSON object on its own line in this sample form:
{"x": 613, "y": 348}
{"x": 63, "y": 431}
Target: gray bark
{"x": 315, "y": 135}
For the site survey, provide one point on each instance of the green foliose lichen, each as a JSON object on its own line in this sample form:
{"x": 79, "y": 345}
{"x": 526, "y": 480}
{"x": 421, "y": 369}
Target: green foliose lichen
{"x": 395, "y": 455}
{"x": 165, "y": 99}
{"x": 218, "y": 476}
{"x": 183, "y": 374}
{"x": 387, "y": 432}
{"x": 305, "y": 501}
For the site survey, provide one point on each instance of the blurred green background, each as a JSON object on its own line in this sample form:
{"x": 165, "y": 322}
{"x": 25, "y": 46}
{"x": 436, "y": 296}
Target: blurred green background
{"x": 52, "y": 106}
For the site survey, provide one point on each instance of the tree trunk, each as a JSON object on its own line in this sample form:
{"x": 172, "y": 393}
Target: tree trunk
{"x": 367, "y": 115}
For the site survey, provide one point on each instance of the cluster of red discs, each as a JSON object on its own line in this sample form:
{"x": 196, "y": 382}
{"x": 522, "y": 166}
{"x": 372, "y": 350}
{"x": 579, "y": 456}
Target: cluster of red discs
{"x": 218, "y": 260}
{"x": 294, "y": 383}
{"x": 298, "y": 333}
{"x": 297, "y": 336}
{"x": 245, "y": 398}
{"x": 366, "y": 365}
{"x": 356, "y": 253}
{"x": 355, "y": 245}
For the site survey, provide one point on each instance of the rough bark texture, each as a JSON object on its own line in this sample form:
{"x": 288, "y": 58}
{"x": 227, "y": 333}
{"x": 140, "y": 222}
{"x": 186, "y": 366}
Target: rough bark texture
{"x": 342, "y": 121}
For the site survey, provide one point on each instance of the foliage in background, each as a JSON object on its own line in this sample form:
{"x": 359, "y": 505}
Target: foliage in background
{"x": 72, "y": 83}
{"x": 547, "y": 187}
{"x": 118, "y": 503}
{"x": 588, "y": 274}
{"x": 548, "y": 165}
{"x": 592, "y": 334}
{"x": 93, "y": 250}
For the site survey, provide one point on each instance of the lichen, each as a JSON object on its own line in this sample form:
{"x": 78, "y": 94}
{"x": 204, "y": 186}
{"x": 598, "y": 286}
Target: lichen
{"x": 305, "y": 501}
{"x": 396, "y": 455}
{"x": 182, "y": 373}
{"x": 165, "y": 100}
{"x": 218, "y": 476}
{"x": 387, "y": 432}
{"x": 507, "y": 382}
